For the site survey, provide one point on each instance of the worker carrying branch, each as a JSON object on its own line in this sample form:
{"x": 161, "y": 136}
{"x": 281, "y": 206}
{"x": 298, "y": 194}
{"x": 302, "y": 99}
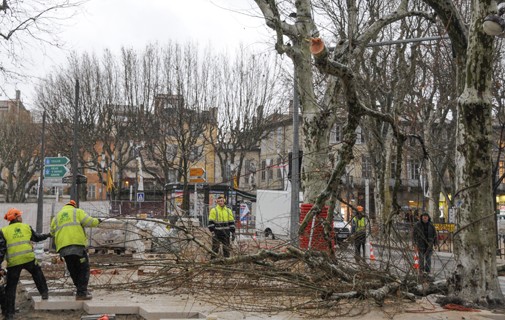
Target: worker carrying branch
{"x": 17, "y": 249}
{"x": 222, "y": 227}
{"x": 67, "y": 228}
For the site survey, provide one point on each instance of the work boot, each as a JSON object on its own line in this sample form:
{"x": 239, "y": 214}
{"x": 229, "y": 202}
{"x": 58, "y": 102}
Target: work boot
{"x": 44, "y": 296}
{"x": 86, "y": 296}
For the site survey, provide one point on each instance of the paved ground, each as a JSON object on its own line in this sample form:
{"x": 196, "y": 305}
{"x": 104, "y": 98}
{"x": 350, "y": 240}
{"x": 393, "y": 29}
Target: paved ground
{"x": 153, "y": 304}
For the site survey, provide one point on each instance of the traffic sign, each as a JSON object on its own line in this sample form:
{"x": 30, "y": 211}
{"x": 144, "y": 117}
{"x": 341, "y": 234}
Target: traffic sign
{"x": 196, "y": 172}
{"x": 80, "y": 179}
{"x": 140, "y": 197}
{"x": 55, "y": 171}
{"x": 56, "y": 161}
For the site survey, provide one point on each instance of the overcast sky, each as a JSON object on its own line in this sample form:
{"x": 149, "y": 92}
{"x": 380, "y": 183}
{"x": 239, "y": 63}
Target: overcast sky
{"x": 111, "y": 24}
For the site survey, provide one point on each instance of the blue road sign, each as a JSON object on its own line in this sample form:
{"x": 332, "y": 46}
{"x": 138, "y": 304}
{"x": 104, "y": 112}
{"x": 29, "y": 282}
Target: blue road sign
{"x": 56, "y": 161}
{"x": 140, "y": 197}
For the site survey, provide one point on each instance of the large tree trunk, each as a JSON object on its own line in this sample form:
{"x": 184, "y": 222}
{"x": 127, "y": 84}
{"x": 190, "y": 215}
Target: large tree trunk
{"x": 475, "y": 277}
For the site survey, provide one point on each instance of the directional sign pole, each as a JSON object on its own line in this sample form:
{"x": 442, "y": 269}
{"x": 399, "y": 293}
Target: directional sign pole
{"x": 40, "y": 193}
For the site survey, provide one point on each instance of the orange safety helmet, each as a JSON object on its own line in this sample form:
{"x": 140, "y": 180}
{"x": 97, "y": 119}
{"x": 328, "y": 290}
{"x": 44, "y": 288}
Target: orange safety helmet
{"x": 360, "y": 208}
{"x": 12, "y": 214}
{"x": 72, "y": 203}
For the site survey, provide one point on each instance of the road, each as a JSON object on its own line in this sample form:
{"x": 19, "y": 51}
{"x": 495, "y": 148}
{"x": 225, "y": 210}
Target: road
{"x": 443, "y": 263}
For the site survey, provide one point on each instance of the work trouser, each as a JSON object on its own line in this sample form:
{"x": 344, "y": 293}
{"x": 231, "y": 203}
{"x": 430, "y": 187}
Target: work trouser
{"x": 221, "y": 237}
{"x": 359, "y": 244}
{"x": 2, "y": 300}
{"x": 78, "y": 267}
{"x": 13, "y": 274}
{"x": 425, "y": 259}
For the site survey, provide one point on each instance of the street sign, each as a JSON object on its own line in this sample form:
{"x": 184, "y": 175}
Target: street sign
{"x": 80, "y": 179}
{"x": 55, "y": 171}
{"x": 196, "y": 172}
{"x": 140, "y": 197}
{"x": 55, "y": 161}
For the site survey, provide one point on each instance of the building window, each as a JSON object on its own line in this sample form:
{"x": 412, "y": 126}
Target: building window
{"x": 270, "y": 169}
{"x": 360, "y": 137}
{"x": 171, "y": 151}
{"x": 263, "y": 170}
{"x": 280, "y": 138}
{"x": 393, "y": 169}
{"x": 366, "y": 167}
{"x": 413, "y": 169}
{"x": 279, "y": 168}
{"x": 336, "y": 134}
{"x": 172, "y": 176}
{"x": 91, "y": 192}
{"x": 195, "y": 153}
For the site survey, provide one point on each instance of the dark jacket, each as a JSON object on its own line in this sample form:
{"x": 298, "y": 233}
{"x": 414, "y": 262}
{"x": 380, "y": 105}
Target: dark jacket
{"x": 425, "y": 234}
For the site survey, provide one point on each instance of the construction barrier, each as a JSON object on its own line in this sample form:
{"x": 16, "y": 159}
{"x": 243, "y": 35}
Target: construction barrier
{"x": 372, "y": 255}
{"x": 313, "y": 235}
{"x": 416, "y": 261}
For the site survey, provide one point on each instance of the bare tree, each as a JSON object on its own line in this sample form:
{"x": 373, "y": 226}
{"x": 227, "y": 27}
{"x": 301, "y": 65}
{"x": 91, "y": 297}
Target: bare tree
{"x": 26, "y": 26}
{"x": 19, "y": 155}
{"x": 246, "y": 92}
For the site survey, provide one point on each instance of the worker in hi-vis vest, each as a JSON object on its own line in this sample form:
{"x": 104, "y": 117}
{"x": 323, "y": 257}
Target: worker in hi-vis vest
{"x": 70, "y": 239}
{"x": 358, "y": 229}
{"x": 16, "y": 248}
{"x": 222, "y": 227}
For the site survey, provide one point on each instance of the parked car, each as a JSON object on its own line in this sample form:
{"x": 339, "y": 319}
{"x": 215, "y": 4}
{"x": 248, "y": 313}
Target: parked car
{"x": 341, "y": 228}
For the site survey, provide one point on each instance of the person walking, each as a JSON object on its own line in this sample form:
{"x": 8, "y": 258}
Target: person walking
{"x": 67, "y": 227}
{"x": 358, "y": 229}
{"x": 222, "y": 227}
{"x": 17, "y": 250}
{"x": 425, "y": 238}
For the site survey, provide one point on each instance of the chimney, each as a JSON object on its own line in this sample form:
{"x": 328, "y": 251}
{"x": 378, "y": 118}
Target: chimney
{"x": 18, "y": 95}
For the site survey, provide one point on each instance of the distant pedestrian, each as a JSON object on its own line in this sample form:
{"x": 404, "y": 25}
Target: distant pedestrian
{"x": 425, "y": 238}
{"x": 17, "y": 250}
{"x": 358, "y": 230}
{"x": 67, "y": 228}
{"x": 222, "y": 227}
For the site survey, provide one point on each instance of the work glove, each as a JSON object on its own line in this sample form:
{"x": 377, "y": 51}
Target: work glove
{"x": 48, "y": 235}
{"x": 233, "y": 237}
{"x": 100, "y": 220}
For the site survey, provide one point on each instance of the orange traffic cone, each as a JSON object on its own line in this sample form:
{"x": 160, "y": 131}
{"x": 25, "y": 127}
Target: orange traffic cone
{"x": 372, "y": 256}
{"x": 416, "y": 260}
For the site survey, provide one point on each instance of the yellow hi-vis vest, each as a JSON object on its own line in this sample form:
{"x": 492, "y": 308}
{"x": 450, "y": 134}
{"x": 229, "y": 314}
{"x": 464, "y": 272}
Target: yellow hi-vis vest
{"x": 19, "y": 246}
{"x": 359, "y": 224}
{"x": 221, "y": 218}
{"x": 68, "y": 227}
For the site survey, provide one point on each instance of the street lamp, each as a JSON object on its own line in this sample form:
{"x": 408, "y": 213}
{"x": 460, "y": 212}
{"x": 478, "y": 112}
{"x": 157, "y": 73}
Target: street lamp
{"x": 494, "y": 24}
{"x": 139, "y": 178}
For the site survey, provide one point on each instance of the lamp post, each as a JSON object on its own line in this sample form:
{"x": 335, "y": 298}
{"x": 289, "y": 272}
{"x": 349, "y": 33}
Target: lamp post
{"x": 139, "y": 179}
{"x": 494, "y": 25}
